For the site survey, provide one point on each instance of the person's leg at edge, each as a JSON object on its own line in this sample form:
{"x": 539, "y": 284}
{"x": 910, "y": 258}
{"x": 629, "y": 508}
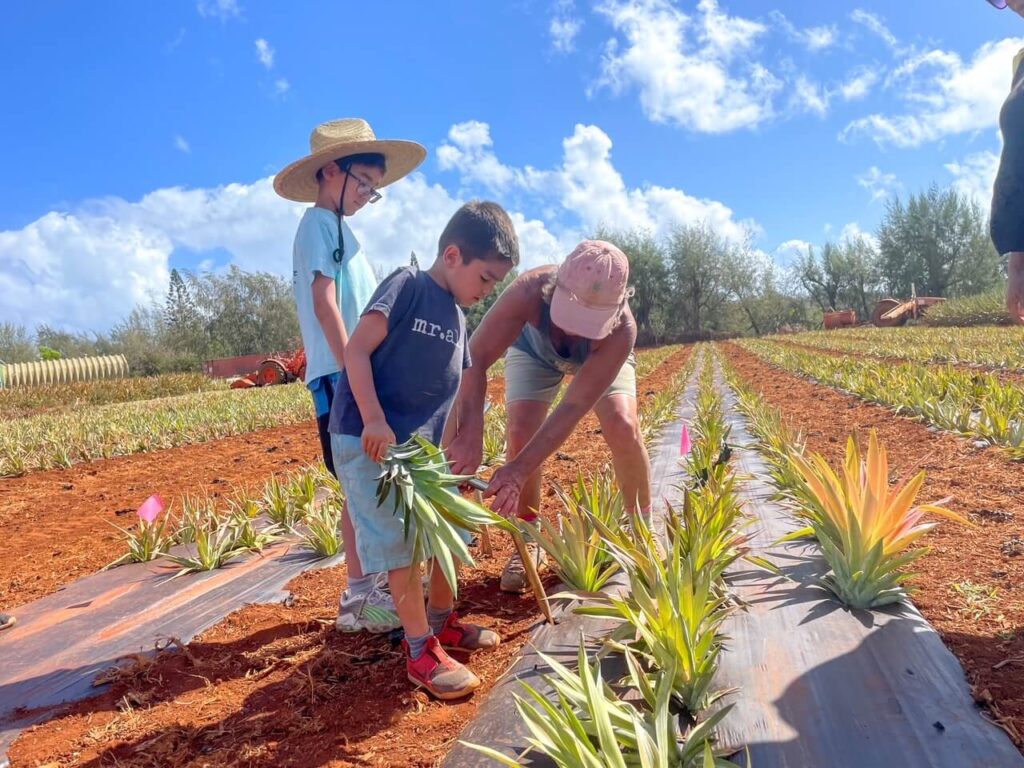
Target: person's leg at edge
{"x": 525, "y": 417}
{"x": 621, "y": 429}
{"x": 323, "y": 398}
{"x": 365, "y": 604}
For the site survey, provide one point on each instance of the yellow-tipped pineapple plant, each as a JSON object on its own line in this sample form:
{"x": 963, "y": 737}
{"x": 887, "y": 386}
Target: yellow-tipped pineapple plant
{"x": 866, "y": 529}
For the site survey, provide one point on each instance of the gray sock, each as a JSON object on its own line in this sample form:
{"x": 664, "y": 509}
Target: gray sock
{"x": 436, "y": 617}
{"x": 418, "y": 644}
{"x": 362, "y": 585}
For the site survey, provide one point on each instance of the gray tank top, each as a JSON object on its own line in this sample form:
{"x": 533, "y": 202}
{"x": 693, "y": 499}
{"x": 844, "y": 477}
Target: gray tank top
{"x": 536, "y": 342}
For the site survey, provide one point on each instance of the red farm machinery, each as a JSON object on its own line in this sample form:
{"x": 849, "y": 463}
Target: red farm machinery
{"x": 259, "y": 370}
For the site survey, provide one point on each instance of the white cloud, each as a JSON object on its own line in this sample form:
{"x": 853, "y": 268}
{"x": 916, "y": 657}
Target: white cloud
{"x": 87, "y": 269}
{"x": 697, "y": 73}
{"x": 586, "y": 185}
{"x": 281, "y": 86}
{"x": 852, "y": 232}
{"x": 859, "y": 84}
{"x": 974, "y": 176}
{"x": 265, "y": 53}
{"x": 809, "y": 96}
{"x": 788, "y": 252}
{"x": 813, "y": 38}
{"x": 563, "y": 33}
{"x": 564, "y": 27}
{"x": 880, "y": 185}
{"x": 218, "y": 9}
{"x": 79, "y": 273}
{"x": 876, "y": 25}
{"x": 470, "y": 152}
{"x": 820, "y": 38}
{"x": 944, "y": 94}
{"x": 181, "y": 144}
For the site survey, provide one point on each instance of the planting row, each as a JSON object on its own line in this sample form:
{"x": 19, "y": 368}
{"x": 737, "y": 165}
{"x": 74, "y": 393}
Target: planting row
{"x": 649, "y": 359}
{"x": 62, "y": 439}
{"x": 70, "y": 435}
{"x": 214, "y": 536}
{"x": 970, "y": 404}
{"x": 669, "y": 619}
{"x": 18, "y": 402}
{"x": 867, "y": 531}
{"x": 990, "y": 346}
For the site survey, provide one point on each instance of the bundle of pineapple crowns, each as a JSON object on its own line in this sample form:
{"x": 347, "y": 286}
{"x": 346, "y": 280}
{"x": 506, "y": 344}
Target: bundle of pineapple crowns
{"x": 416, "y": 475}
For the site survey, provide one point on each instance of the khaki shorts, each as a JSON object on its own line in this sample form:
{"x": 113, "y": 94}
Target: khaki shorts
{"x": 528, "y": 379}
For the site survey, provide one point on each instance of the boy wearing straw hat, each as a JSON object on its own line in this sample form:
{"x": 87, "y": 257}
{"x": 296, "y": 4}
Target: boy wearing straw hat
{"x": 333, "y": 281}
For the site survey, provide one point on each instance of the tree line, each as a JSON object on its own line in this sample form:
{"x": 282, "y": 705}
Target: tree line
{"x": 692, "y": 283}
{"x": 203, "y": 316}
{"x": 695, "y": 283}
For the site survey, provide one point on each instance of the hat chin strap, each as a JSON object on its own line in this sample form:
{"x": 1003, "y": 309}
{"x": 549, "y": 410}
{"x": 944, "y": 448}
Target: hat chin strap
{"x": 339, "y": 252}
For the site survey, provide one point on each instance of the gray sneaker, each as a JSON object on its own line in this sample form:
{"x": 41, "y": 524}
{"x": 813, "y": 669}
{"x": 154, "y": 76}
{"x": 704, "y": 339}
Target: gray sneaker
{"x": 7, "y": 621}
{"x": 371, "y": 612}
{"x": 513, "y": 576}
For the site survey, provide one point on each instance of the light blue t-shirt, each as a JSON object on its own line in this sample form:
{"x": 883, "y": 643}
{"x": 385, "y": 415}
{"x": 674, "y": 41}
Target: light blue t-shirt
{"x": 354, "y": 281}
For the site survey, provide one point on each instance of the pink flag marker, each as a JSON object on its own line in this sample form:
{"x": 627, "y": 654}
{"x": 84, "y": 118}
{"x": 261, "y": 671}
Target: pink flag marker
{"x": 151, "y": 508}
{"x": 684, "y": 442}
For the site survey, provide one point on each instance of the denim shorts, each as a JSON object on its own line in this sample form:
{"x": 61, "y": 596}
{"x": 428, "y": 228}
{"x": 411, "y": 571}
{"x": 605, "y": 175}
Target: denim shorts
{"x": 527, "y": 378}
{"x": 380, "y": 532}
{"x": 322, "y": 389}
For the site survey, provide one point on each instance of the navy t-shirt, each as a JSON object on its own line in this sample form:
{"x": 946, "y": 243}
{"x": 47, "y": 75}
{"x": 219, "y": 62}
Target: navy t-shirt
{"x": 418, "y": 367}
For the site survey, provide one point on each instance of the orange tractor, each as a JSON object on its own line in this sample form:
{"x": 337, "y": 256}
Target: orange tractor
{"x": 281, "y": 369}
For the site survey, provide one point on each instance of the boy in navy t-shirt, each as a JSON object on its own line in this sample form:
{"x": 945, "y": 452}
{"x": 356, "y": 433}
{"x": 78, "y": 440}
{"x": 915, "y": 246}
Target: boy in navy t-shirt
{"x": 403, "y": 366}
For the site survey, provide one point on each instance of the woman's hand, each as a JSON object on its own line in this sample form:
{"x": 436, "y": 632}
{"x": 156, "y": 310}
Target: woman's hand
{"x": 377, "y": 438}
{"x": 505, "y": 487}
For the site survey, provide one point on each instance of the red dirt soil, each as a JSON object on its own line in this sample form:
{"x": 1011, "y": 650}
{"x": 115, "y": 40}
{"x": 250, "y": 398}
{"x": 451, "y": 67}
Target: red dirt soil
{"x": 277, "y": 685}
{"x": 57, "y": 524}
{"x": 986, "y": 633}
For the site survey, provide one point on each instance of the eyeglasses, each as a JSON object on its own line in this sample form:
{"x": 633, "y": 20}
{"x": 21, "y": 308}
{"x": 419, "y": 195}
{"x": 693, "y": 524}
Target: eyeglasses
{"x": 363, "y": 187}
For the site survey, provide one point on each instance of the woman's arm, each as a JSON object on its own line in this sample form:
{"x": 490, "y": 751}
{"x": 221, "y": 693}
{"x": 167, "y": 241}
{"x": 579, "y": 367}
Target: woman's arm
{"x": 504, "y": 321}
{"x": 591, "y": 381}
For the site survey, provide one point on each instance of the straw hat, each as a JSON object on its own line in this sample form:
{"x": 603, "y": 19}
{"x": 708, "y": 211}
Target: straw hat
{"x": 341, "y": 138}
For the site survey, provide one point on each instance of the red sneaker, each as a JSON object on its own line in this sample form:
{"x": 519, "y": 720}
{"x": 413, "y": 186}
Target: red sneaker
{"x": 457, "y": 636}
{"x": 437, "y": 672}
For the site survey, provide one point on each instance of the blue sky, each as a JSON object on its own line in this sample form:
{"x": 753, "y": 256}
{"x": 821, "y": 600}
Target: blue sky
{"x": 142, "y": 136}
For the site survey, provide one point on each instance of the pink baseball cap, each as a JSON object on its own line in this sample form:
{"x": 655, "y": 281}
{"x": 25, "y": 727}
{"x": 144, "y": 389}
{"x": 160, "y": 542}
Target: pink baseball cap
{"x": 590, "y": 290}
